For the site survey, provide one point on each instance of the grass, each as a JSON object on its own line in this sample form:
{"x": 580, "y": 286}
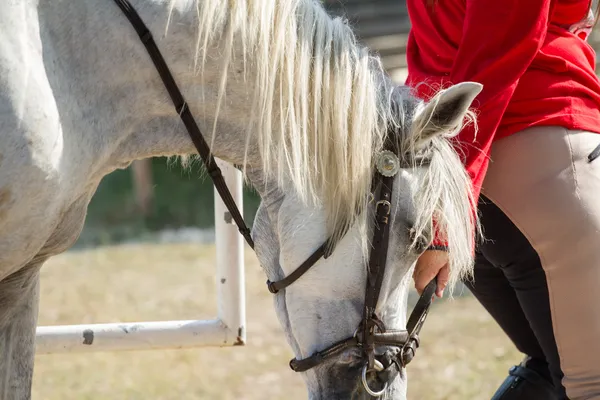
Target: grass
{"x": 463, "y": 354}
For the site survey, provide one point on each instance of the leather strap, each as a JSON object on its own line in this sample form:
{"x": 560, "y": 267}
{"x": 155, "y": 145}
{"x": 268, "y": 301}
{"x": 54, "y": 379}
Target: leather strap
{"x": 415, "y": 323}
{"x": 376, "y": 266}
{"x": 417, "y": 317}
{"x": 391, "y": 338}
{"x": 392, "y": 361}
{"x": 186, "y": 116}
{"x": 275, "y": 287}
{"x": 317, "y": 358}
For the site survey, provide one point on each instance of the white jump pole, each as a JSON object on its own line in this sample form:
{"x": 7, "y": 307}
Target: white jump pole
{"x": 231, "y": 293}
{"x": 228, "y": 329}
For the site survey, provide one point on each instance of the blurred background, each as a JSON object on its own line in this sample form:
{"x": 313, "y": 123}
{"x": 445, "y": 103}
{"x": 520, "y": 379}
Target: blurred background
{"x": 146, "y": 253}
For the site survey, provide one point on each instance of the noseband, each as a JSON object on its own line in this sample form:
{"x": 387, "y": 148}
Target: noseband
{"x": 371, "y": 331}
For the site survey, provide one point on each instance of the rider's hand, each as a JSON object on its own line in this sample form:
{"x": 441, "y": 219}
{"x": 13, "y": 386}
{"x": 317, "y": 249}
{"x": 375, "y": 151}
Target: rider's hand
{"x": 430, "y": 264}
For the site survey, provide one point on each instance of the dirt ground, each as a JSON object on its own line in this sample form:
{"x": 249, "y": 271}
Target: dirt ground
{"x": 463, "y": 354}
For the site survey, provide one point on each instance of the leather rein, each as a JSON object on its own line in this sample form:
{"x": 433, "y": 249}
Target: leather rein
{"x": 371, "y": 332}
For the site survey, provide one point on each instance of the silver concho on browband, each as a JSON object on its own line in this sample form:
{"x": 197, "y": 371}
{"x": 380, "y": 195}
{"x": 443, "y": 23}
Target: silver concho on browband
{"x": 387, "y": 163}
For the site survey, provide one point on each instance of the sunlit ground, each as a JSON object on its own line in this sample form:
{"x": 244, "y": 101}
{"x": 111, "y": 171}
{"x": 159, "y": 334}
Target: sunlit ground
{"x": 463, "y": 354}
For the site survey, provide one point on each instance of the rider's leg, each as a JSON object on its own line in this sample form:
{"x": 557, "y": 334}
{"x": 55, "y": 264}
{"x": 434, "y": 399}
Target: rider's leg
{"x": 496, "y": 295}
{"x": 510, "y": 283}
{"x": 545, "y": 181}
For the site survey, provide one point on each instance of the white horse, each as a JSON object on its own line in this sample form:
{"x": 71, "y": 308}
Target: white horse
{"x": 283, "y": 90}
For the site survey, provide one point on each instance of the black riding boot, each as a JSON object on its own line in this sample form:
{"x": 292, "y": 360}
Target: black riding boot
{"x": 524, "y": 383}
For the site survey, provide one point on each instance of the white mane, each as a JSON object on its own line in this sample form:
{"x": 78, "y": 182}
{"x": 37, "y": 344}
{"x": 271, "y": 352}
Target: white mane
{"x": 329, "y": 101}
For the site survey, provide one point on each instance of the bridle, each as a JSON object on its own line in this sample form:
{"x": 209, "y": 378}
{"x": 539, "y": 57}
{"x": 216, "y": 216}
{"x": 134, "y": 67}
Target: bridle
{"x": 371, "y": 331}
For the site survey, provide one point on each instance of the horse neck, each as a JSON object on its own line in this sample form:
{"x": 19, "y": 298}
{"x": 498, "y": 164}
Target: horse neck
{"x": 114, "y": 108}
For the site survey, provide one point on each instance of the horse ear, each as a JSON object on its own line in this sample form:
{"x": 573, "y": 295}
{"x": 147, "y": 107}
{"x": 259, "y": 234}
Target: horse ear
{"x": 445, "y": 111}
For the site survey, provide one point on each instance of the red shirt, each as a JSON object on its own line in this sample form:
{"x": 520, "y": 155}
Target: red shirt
{"x": 534, "y": 71}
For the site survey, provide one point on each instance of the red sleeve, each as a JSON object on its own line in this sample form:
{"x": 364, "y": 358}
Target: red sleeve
{"x": 500, "y": 39}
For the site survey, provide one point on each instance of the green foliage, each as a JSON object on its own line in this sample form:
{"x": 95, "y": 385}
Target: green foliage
{"x": 182, "y": 198}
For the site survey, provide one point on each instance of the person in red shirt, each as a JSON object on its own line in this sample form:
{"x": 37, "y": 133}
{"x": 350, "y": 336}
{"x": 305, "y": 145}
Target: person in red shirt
{"x": 534, "y": 161}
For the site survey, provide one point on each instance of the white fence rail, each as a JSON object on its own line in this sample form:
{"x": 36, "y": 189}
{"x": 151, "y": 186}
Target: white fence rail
{"x": 228, "y": 329}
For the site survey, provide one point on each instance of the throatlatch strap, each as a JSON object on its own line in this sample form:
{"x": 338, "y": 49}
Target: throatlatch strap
{"x": 186, "y": 116}
{"x": 275, "y": 287}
